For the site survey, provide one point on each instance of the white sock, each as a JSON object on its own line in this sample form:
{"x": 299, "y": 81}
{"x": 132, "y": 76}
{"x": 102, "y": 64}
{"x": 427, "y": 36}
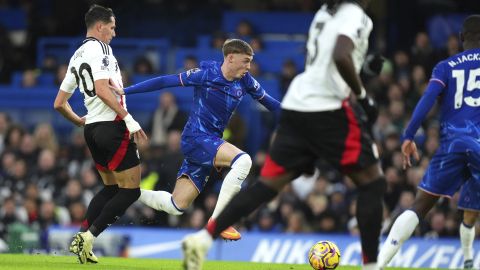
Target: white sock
{"x": 401, "y": 230}
{"x": 233, "y": 182}
{"x": 370, "y": 266}
{"x": 467, "y": 235}
{"x": 159, "y": 200}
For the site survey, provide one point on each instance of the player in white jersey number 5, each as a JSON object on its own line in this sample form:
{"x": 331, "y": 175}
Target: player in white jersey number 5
{"x": 108, "y": 128}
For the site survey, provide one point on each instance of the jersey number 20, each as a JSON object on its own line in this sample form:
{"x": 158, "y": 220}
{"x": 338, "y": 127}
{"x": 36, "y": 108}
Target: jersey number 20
{"x": 79, "y": 76}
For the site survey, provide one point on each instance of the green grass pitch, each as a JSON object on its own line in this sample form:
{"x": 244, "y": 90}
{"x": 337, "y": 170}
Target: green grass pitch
{"x": 46, "y": 262}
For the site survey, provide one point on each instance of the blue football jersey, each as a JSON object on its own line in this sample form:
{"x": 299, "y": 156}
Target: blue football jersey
{"x": 215, "y": 98}
{"x": 459, "y": 101}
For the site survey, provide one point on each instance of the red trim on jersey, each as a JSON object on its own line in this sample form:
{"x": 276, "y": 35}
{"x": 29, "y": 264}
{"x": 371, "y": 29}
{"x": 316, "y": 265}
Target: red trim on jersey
{"x": 352, "y": 144}
{"x": 100, "y": 167}
{"x": 121, "y": 151}
{"x": 118, "y": 118}
{"x": 271, "y": 168}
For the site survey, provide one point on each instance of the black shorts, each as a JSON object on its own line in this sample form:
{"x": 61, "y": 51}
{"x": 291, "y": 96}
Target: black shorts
{"x": 339, "y": 137}
{"x": 111, "y": 146}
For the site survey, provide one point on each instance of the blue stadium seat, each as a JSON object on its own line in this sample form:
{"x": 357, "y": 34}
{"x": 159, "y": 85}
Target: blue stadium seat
{"x": 272, "y": 61}
{"x": 269, "y": 22}
{"x": 201, "y": 54}
{"x": 440, "y": 27}
{"x": 13, "y": 18}
{"x": 290, "y": 45}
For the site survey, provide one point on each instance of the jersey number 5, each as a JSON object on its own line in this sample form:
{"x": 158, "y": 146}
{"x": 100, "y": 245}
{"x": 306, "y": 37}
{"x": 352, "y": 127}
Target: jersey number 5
{"x": 472, "y": 84}
{"x": 79, "y": 76}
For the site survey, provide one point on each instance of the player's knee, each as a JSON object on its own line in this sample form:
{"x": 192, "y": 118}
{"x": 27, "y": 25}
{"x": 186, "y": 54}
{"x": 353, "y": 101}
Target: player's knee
{"x": 242, "y": 163}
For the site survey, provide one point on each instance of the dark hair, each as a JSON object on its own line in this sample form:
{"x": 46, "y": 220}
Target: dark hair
{"x": 471, "y": 28}
{"x": 98, "y": 13}
{"x": 236, "y": 46}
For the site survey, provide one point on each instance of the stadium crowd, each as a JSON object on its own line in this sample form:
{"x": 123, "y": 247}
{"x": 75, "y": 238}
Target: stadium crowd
{"x": 46, "y": 181}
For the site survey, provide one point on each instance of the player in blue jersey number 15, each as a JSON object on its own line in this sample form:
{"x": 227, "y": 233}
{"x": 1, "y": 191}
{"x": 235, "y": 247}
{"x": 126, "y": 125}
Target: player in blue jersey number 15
{"x": 457, "y": 160}
{"x": 218, "y": 89}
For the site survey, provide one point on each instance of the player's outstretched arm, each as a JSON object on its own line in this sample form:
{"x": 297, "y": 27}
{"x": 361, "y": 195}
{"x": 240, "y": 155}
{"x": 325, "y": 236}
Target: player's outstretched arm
{"x": 63, "y": 107}
{"x": 270, "y": 103}
{"x": 154, "y": 84}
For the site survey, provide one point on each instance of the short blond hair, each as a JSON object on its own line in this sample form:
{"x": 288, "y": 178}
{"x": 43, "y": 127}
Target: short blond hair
{"x": 236, "y": 46}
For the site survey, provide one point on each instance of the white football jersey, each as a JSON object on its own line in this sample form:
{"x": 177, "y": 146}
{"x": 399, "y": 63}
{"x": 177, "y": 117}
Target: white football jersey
{"x": 93, "y": 61}
{"x": 320, "y": 87}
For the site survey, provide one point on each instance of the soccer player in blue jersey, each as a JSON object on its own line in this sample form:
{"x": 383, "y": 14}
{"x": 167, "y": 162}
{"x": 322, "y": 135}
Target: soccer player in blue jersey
{"x": 456, "y": 83}
{"x": 218, "y": 89}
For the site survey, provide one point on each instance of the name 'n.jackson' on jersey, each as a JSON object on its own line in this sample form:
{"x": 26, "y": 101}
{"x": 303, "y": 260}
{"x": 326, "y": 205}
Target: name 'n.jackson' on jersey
{"x": 456, "y": 83}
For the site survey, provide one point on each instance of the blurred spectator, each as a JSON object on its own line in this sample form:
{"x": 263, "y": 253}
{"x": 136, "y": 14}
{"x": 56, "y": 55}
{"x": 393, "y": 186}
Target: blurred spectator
{"x": 143, "y": 66}
{"x": 244, "y": 31}
{"x": 218, "y": 39}
{"x": 289, "y": 71}
{"x": 166, "y": 117}
{"x": 422, "y": 52}
{"x": 13, "y": 137}
{"x": 60, "y": 74}
{"x": 197, "y": 219}
{"x": 401, "y": 64}
{"x": 452, "y": 47}
{"x": 45, "y": 137}
{"x": 29, "y": 78}
{"x": 266, "y": 222}
{"x": 190, "y": 62}
{"x": 28, "y": 150}
{"x": 10, "y": 214}
{"x": 296, "y": 223}
{"x": 49, "y": 64}
{"x": 4, "y": 125}
{"x": 256, "y": 43}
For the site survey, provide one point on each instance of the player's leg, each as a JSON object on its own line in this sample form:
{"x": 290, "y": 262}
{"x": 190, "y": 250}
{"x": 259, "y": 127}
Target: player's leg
{"x": 240, "y": 163}
{"x": 349, "y": 146}
{"x": 174, "y": 203}
{"x": 195, "y": 246}
{"x": 371, "y": 188}
{"x": 117, "y": 155}
{"x": 469, "y": 202}
{"x": 467, "y": 235}
{"x": 444, "y": 176}
{"x": 405, "y": 225}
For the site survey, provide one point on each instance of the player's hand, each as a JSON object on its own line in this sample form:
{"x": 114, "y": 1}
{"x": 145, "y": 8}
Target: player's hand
{"x": 115, "y": 88}
{"x": 409, "y": 148}
{"x": 82, "y": 122}
{"x": 370, "y": 107}
{"x": 140, "y": 137}
{"x": 373, "y": 64}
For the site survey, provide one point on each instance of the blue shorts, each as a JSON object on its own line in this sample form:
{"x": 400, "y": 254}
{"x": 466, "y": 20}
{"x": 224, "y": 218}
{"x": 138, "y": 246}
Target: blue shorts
{"x": 199, "y": 152}
{"x": 470, "y": 196}
{"x": 447, "y": 172}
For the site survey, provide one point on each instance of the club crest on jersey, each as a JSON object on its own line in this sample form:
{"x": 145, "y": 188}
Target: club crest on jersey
{"x": 105, "y": 63}
{"x": 191, "y": 71}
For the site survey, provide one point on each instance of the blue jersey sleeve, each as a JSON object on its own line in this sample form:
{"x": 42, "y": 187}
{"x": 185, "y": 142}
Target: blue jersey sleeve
{"x": 258, "y": 93}
{"x": 434, "y": 88}
{"x": 154, "y": 84}
{"x": 193, "y": 77}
